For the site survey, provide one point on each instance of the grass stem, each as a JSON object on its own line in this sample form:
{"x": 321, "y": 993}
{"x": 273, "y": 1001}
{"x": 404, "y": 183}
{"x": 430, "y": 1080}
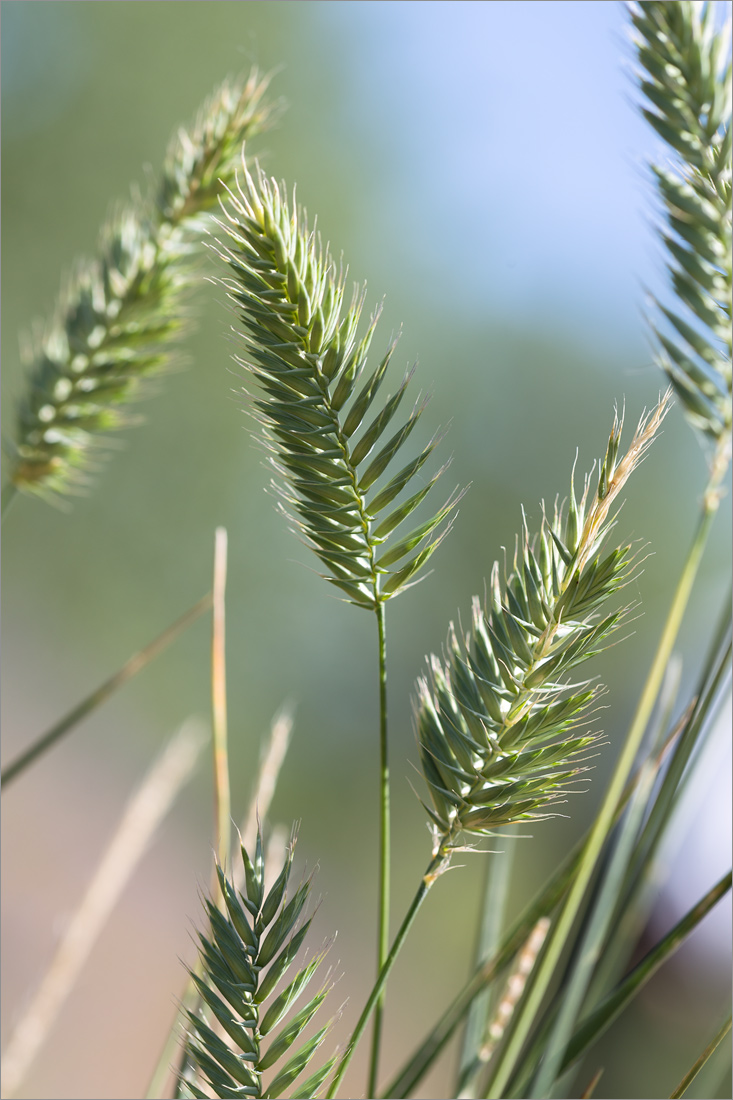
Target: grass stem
{"x": 548, "y": 898}
{"x": 435, "y": 868}
{"x": 271, "y": 759}
{"x": 135, "y": 664}
{"x": 384, "y": 847}
{"x": 706, "y": 1054}
{"x": 222, "y": 791}
{"x": 144, "y": 812}
{"x": 496, "y": 888}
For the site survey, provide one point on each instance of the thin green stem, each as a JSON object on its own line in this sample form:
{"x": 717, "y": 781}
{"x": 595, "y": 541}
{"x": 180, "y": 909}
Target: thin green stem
{"x": 102, "y": 693}
{"x": 435, "y": 868}
{"x": 9, "y": 493}
{"x": 219, "y": 707}
{"x": 604, "y": 821}
{"x": 384, "y": 847}
{"x": 706, "y": 1054}
{"x": 551, "y": 894}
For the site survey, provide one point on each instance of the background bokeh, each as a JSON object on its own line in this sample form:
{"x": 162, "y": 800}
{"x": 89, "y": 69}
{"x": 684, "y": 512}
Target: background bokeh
{"x": 482, "y": 166}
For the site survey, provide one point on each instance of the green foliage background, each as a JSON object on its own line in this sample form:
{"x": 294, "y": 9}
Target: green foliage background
{"x": 96, "y": 90}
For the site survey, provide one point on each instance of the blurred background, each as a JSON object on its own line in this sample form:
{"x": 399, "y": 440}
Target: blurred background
{"x": 482, "y": 166}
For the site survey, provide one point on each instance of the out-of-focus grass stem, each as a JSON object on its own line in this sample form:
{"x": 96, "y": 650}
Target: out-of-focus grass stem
{"x": 219, "y": 704}
{"x": 135, "y": 664}
{"x": 384, "y": 847}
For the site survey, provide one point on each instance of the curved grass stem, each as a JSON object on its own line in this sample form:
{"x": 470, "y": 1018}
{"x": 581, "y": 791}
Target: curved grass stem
{"x": 384, "y": 847}
{"x": 496, "y": 888}
{"x": 435, "y": 868}
{"x": 706, "y": 1054}
{"x": 604, "y": 821}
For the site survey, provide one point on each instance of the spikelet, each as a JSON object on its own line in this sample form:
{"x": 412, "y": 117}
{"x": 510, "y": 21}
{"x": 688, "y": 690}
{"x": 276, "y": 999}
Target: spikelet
{"x": 120, "y": 314}
{"x": 248, "y": 948}
{"x": 502, "y": 730}
{"x": 686, "y": 81}
{"x": 317, "y": 405}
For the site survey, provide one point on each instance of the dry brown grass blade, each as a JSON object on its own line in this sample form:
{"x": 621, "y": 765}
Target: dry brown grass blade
{"x": 144, "y": 812}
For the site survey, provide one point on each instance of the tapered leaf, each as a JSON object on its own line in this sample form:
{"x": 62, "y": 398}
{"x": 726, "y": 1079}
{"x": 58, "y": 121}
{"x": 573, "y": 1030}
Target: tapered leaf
{"x": 599, "y": 1020}
{"x": 700, "y": 1062}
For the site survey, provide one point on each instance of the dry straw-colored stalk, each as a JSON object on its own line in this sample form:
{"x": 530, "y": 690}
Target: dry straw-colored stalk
{"x": 143, "y": 814}
{"x": 272, "y": 755}
{"x": 513, "y": 990}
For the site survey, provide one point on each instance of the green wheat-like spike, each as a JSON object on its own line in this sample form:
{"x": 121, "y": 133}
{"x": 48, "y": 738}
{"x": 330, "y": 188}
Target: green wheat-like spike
{"x": 502, "y": 730}
{"x": 332, "y": 444}
{"x": 686, "y": 81}
{"x": 119, "y": 315}
{"x": 247, "y": 949}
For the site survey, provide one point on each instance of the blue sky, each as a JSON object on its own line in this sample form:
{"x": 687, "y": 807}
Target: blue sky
{"x": 521, "y": 116}
{"x": 507, "y": 128}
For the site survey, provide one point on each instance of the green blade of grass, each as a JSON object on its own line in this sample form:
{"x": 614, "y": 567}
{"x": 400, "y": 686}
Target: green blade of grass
{"x": 135, "y": 664}
{"x": 706, "y": 1054}
{"x": 595, "y": 935}
{"x": 628, "y": 910}
{"x": 635, "y": 897}
{"x": 615, "y": 1002}
{"x": 712, "y": 683}
{"x": 590, "y": 1088}
{"x": 606, "y": 1013}
{"x": 496, "y": 888}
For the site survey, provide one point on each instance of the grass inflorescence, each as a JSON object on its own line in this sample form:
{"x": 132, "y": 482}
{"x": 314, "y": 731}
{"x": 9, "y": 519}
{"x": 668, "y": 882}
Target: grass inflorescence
{"x": 304, "y": 350}
{"x": 498, "y": 721}
{"x": 251, "y": 943}
{"x": 506, "y": 726}
{"x": 119, "y": 315}
{"x": 686, "y": 82}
